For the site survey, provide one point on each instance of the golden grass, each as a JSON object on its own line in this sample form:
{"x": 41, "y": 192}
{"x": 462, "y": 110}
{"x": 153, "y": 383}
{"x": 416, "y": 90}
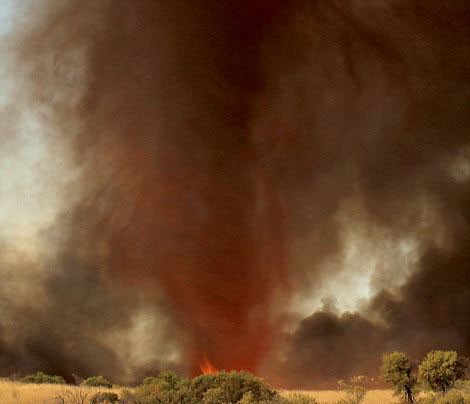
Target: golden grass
{"x": 22, "y": 393}
{"x": 332, "y": 396}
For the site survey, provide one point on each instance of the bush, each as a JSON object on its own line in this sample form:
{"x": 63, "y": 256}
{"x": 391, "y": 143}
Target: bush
{"x": 463, "y": 386}
{"x": 396, "y": 369}
{"x": 166, "y": 381}
{"x": 104, "y": 398}
{"x": 167, "y": 387}
{"x": 247, "y": 398}
{"x": 298, "y": 398}
{"x": 451, "y": 397}
{"x": 43, "y": 378}
{"x": 440, "y": 370}
{"x": 223, "y": 387}
{"x": 233, "y": 386}
{"x": 214, "y": 396}
{"x": 97, "y": 381}
{"x": 126, "y": 397}
{"x": 293, "y": 398}
{"x": 71, "y": 396}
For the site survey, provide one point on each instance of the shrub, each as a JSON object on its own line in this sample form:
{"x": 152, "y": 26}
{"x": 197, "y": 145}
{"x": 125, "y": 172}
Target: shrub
{"x": 75, "y": 396}
{"x": 440, "y": 370}
{"x": 451, "y": 397}
{"x": 293, "y": 398}
{"x": 298, "y": 398}
{"x": 104, "y": 398}
{"x": 126, "y": 397}
{"x": 247, "y": 398}
{"x": 463, "y": 386}
{"x": 43, "y": 378}
{"x": 97, "y": 381}
{"x": 396, "y": 369}
{"x": 165, "y": 388}
{"x": 223, "y": 387}
{"x": 214, "y": 396}
{"x": 165, "y": 381}
{"x": 233, "y": 386}
{"x": 355, "y": 389}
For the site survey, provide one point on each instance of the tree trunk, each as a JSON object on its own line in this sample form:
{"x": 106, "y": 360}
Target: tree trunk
{"x": 409, "y": 395}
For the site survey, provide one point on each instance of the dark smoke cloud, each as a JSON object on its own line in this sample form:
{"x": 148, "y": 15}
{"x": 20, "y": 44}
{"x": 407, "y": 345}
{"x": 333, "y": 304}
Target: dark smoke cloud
{"x": 61, "y": 316}
{"x": 431, "y": 311}
{"x": 218, "y": 142}
{"x": 49, "y": 327}
{"x": 377, "y": 97}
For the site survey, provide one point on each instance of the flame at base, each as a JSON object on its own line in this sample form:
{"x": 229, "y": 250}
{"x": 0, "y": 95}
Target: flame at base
{"x": 207, "y": 368}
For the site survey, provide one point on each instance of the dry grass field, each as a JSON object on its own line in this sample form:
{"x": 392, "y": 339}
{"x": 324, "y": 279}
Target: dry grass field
{"x": 19, "y": 393}
{"x": 332, "y": 396}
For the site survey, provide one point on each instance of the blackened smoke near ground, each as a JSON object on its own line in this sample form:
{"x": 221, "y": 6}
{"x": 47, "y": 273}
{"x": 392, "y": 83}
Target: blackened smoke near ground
{"x": 225, "y": 151}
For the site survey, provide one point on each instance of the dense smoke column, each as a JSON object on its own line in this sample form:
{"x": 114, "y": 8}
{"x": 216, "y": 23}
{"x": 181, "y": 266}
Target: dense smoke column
{"x": 154, "y": 99}
{"x": 186, "y": 206}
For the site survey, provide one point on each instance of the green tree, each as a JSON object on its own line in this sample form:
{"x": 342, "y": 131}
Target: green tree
{"x": 43, "y": 378}
{"x": 440, "y": 370}
{"x": 397, "y": 370}
{"x": 97, "y": 381}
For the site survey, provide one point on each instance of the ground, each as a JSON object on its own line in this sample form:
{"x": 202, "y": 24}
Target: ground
{"x": 19, "y": 393}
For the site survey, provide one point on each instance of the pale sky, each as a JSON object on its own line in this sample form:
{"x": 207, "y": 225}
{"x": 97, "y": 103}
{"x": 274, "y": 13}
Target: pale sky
{"x": 29, "y": 193}
{"x": 6, "y": 9}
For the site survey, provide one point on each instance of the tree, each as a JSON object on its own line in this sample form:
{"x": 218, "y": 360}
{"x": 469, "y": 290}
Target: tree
{"x": 441, "y": 369}
{"x": 397, "y": 370}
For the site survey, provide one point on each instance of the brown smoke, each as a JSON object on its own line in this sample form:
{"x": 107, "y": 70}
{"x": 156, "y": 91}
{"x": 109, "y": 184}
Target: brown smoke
{"x": 168, "y": 110}
{"x": 376, "y": 99}
{"x": 212, "y": 138}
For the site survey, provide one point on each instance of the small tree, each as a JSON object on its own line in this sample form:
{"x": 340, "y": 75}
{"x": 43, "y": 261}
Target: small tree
{"x": 396, "y": 369}
{"x": 440, "y": 370}
{"x": 355, "y": 389}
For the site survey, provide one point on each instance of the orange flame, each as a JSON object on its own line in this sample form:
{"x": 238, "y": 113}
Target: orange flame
{"x": 207, "y": 368}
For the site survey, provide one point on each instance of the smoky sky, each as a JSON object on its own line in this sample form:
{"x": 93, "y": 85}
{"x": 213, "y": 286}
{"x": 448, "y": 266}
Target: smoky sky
{"x": 223, "y": 148}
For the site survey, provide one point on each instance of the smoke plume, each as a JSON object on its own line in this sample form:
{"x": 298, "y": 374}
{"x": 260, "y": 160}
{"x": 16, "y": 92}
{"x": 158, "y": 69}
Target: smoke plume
{"x": 223, "y": 152}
